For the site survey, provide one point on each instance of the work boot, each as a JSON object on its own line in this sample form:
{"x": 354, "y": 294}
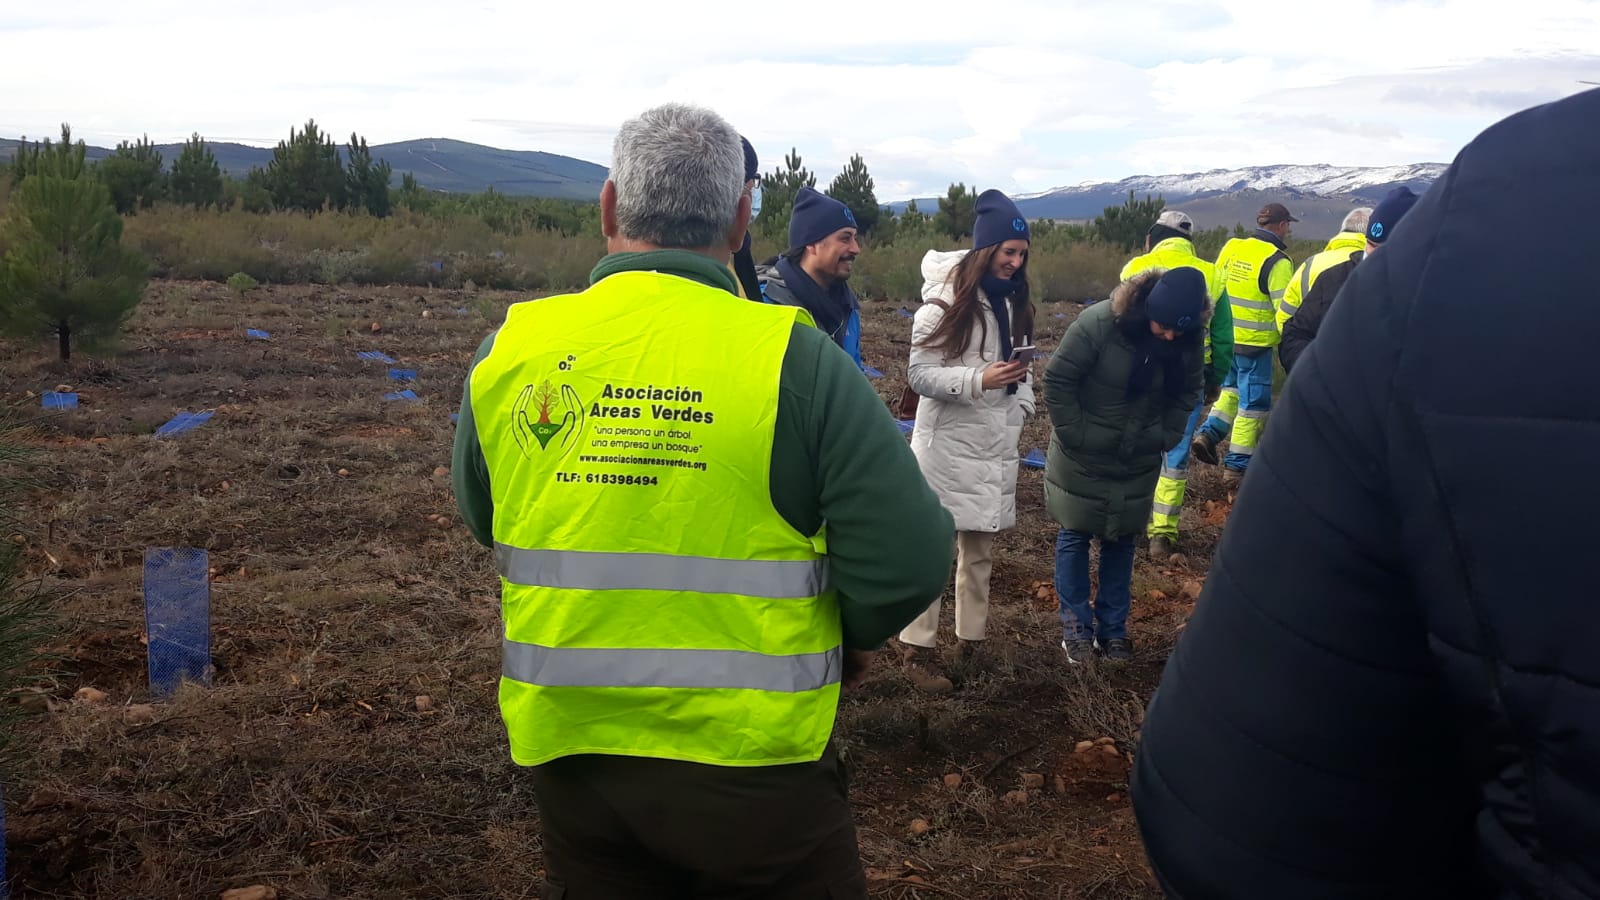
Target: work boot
{"x": 1204, "y": 448}
{"x": 1078, "y": 651}
{"x": 1161, "y": 548}
{"x": 1119, "y": 650}
{"x": 923, "y": 668}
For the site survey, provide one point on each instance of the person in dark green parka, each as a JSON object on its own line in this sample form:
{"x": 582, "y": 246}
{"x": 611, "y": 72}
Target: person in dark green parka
{"x": 1120, "y": 388}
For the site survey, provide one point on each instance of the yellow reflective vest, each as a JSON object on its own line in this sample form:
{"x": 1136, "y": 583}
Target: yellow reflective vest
{"x": 1338, "y": 250}
{"x": 1255, "y": 273}
{"x": 655, "y": 603}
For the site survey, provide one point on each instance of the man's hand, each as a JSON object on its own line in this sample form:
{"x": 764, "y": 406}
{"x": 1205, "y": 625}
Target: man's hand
{"x": 856, "y": 664}
{"x": 1213, "y": 392}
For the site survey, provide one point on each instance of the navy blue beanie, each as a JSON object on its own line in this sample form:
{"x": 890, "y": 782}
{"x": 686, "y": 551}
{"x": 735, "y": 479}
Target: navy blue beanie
{"x": 1178, "y": 299}
{"x": 1388, "y": 213}
{"x": 752, "y": 166}
{"x": 815, "y": 216}
{"x": 999, "y": 221}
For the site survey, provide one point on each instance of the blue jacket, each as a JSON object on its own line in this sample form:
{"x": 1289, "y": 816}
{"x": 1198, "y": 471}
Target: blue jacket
{"x": 847, "y": 335}
{"x": 1391, "y": 685}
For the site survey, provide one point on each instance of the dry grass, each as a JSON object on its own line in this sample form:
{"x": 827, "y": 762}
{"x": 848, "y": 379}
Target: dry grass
{"x": 337, "y": 602}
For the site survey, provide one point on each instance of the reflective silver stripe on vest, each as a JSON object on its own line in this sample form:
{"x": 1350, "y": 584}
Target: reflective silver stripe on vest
{"x": 1254, "y": 413}
{"x": 1265, "y": 305}
{"x": 586, "y": 570}
{"x": 606, "y": 667}
{"x": 1172, "y": 474}
{"x": 1305, "y": 280}
{"x": 1277, "y": 295}
{"x": 1249, "y": 325}
{"x": 1166, "y": 509}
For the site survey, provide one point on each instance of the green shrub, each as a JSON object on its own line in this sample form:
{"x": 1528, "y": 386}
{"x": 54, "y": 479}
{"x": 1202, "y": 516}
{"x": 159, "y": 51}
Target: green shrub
{"x": 242, "y": 283}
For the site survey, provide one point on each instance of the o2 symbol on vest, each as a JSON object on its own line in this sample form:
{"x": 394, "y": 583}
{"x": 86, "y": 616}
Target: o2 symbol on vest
{"x": 544, "y": 411}
{"x": 566, "y": 364}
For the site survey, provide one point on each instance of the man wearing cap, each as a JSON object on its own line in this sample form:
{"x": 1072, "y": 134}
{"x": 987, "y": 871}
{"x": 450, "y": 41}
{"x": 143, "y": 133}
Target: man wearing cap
{"x": 1170, "y": 245}
{"x": 1255, "y": 273}
{"x": 1299, "y": 331}
{"x": 815, "y": 271}
{"x": 1352, "y": 237}
{"x": 744, "y": 263}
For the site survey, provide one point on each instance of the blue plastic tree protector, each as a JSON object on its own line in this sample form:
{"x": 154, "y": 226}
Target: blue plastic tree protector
{"x": 257, "y": 334}
{"x": 177, "y": 616}
{"x": 182, "y": 423}
{"x": 402, "y": 374}
{"x": 438, "y": 265}
{"x": 1034, "y": 459}
{"x": 375, "y": 356}
{"x": 406, "y": 394}
{"x": 455, "y": 418}
{"x": 871, "y": 372}
{"x": 53, "y": 400}
{"x": 461, "y": 310}
{"x": 906, "y": 425}
{"x": 907, "y": 313}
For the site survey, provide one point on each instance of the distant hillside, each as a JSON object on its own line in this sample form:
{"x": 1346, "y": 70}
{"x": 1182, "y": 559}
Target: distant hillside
{"x": 437, "y": 164}
{"x": 1319, "y": 196}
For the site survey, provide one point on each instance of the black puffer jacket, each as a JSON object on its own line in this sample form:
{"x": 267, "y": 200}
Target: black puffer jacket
{"x": 1391, "y": 685}
{"x": 1302, "y": 327}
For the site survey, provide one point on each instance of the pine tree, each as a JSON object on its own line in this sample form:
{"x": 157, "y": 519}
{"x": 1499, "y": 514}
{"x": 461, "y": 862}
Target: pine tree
{"x": 196, "y": 178}
{"x": 778, "y": 191}
{"x": 65, "y": 270}
{"x": 1125, "y": 226}
{"x": 133, "y": 175}
{"x": 853, "y": 188}
{"x": 913, "y": 218}
{"x": 367, "y": 183}
{"x": 958, "y": 212}
{"x": 305, "y": 172}
{"x": 65, "y": 159}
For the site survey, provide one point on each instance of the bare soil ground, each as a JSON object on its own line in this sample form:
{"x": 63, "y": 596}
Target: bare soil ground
{"x": 350, "y": 745}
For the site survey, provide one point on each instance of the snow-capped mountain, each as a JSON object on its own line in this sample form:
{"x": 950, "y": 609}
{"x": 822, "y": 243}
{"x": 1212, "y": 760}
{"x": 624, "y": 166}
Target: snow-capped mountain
{"x": 1324, "y": 180}
{"x": 1318, "y": 195}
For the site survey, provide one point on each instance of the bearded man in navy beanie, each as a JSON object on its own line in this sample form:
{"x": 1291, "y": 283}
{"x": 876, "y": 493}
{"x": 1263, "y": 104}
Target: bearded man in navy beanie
{"x": 1300, "y": 330}
{"x": 813, "y": 273}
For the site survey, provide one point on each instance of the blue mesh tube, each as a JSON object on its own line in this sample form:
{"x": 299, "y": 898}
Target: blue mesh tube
{"x": 177, "y": 616}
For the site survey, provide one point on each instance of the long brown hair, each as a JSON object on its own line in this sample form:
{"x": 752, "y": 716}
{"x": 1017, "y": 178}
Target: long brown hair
{"x": 954, "y": 332}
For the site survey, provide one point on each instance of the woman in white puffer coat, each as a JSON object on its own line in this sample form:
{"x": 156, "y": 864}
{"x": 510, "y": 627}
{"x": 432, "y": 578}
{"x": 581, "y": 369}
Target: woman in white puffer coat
{"x": 976, "y": 310}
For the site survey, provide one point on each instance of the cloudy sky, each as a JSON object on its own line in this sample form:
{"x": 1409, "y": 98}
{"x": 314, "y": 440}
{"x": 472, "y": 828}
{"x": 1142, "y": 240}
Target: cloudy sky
{"x": 1022, "y": 95}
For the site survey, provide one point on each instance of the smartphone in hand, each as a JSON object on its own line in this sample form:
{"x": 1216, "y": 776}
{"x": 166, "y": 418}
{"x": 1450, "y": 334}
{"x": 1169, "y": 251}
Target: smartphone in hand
{"x": 1023, "y": 354}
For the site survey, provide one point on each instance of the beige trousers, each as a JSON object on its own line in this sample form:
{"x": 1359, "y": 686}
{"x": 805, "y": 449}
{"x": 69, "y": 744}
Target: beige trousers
{"x": 974, "y": 562}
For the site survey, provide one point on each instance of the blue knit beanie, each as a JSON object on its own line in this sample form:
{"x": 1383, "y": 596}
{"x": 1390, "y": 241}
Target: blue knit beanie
{"x": 1178, "y": 299}
{"x": 1388, "y": 213}
{"x": 999, "y": 221}
{"x": 752, "y": 166}
{"x": 815, "y": 216}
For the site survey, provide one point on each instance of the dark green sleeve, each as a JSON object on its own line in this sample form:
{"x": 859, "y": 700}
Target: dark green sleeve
{"x": 1221, "y": 342}
{"x": 1063, "y": 378}
{"x": 839, "y": 458}
{"x": 469, "y": 473}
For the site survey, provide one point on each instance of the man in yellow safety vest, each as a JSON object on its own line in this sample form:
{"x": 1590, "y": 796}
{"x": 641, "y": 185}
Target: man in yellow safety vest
{"x": 1352, "y": 238}
{"x": 1255, "y": 272}
{"x": 653, "y": 461}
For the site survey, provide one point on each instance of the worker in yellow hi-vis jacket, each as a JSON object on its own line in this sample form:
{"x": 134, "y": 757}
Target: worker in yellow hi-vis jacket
{"x": 1255, "y": 273}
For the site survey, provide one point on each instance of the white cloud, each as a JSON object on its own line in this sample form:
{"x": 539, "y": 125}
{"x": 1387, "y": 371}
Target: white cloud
{"x": 1023, "y": 97}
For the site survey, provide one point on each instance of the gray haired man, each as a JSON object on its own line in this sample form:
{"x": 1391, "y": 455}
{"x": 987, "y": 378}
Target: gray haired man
{"x": 652, "y": 461}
